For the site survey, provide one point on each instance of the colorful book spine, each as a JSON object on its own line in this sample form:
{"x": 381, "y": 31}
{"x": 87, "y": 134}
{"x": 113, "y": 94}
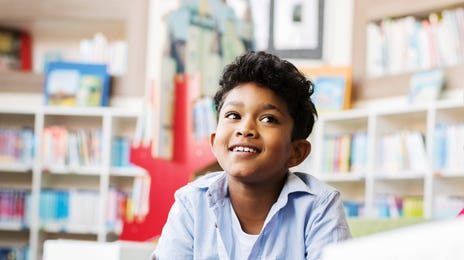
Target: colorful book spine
{"x": 403, "y": 151}
{"x": 353, "y": 208}
{"x": 61, "y": 210}
{"x": 17, "y": 145}
{"x": 63, "y": 148}
{"x": 15, "y": 252}
{"x": 394, "y": 206}
{"x": 120, "y": 152}
{"x": 345, "y": 153}
{"x": 358, "y": 154}
{"x": 398, "y": 45}
{"x": 15, "y": 50}
{"x": 448, "y": 149}
{"x": 14, "y": 208}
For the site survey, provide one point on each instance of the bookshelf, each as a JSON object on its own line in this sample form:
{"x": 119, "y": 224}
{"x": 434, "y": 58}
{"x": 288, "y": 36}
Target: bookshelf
{"x": 385, "y": 119}
{"x": 427, "y": 187}
{"x": 47, "y": 183}
{"x": 59, "y": 27}
{"x": 372, "y": 87}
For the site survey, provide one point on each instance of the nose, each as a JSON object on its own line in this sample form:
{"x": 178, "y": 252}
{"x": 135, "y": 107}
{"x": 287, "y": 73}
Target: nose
{"x": 247, "y": 133}
{"x": 247, "y": 129}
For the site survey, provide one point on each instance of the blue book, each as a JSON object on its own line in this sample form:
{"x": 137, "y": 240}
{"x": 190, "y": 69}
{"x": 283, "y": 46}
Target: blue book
{"x": 116, "y": 152}
{"x": 426, "y": 86}
{"x": 27, "y": 210}
{"x": 358, "y": 159}
{"x": 329, "y": 93}
{"x": 76, "y": 84}
{"x": 440, "y": 148}
{"x": 125, "y": 152}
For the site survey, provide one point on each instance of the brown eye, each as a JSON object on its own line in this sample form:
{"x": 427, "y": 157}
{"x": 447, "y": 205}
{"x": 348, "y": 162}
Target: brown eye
{"x": 232, "y": 115}
{"x": 269, "y": 119}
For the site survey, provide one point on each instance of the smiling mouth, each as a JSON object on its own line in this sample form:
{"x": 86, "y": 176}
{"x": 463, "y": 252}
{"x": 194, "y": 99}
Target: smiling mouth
{"x": 244, "y": 149}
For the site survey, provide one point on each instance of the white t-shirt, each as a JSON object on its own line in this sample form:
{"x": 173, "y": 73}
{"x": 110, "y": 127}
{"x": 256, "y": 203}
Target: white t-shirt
{"x": 245, "y": 241}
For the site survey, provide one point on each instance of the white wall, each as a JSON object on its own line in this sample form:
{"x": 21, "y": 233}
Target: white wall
{"x": 337, "y": 35}
{"x": 338, "y": 32}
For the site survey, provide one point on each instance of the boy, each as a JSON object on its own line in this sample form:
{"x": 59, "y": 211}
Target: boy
{"x": 256, "y": 208}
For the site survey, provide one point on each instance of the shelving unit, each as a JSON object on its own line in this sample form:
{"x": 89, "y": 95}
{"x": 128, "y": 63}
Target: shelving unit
{"x": 389, "y": 118}
{"x": 37, "y": 179}
{"x": 16, "y": 176}
{"x": 366, "y": 11}
{"x": 61, "y": 25}
{"x": 428, "y": 185}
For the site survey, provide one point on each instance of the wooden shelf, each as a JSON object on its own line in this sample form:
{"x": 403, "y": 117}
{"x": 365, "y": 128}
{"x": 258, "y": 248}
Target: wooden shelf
{"x": 398, "y": 84}
{"x": 65, "y": 23}
{"x": 29, "y": 10}
{"x": 16, "y": 167}
{"x": 30, "y": 82}
{"x": 21, "y": 82}
{"x": 342, "y": 177}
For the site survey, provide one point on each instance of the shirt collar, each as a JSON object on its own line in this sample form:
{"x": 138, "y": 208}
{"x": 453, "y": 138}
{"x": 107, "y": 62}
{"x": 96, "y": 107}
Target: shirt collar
{"x": 295, "y": 183}
{"x": 216, "y": 185}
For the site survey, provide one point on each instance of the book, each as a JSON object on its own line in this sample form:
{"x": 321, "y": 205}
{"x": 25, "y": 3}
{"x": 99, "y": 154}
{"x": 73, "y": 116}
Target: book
{"x": 345, "y": 148}
{"x": 15, "y": 50}
{"x": 440, "y": 148}
{"x": 416, "y": 151}
{"x": 76, "y": 84}
{"x": 332, "y": 87}
{"x": 426, "y": 86}
{"x": 358, "y": 154}
{"x": 374, "y": 53}
{"x": 329, "y": 93}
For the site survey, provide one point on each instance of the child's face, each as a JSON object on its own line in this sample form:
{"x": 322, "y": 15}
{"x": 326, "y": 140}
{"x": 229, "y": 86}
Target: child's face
{"x": 253, "y": 137}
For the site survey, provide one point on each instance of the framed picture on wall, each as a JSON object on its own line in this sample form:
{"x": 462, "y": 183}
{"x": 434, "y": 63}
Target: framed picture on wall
{"x": 332, "y": 87}
{"x": 289, "y": 28}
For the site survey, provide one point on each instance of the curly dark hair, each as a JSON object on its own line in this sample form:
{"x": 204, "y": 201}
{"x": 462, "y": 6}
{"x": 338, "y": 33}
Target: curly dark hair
{"x": 282, "y": 77}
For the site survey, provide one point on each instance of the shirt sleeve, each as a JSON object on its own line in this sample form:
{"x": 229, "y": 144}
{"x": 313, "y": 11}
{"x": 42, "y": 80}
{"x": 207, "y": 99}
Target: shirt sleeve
{"x": 328, "y": 226}
{"x": 176, "y": 241}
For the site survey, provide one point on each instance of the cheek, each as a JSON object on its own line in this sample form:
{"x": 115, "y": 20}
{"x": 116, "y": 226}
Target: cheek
{"x": 280, "y": 148}
{"x": 220, "y": 140}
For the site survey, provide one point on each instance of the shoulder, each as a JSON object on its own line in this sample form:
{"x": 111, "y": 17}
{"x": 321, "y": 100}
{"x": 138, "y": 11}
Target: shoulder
{"x": 319, "y": 192}
{"x": 313, "y": 184}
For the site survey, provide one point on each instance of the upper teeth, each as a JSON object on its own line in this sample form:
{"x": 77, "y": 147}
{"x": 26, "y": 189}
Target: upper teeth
{"x": 244, "y": 149}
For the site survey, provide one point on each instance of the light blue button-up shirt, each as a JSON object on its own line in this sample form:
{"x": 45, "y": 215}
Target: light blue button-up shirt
{"x": 307, "y": 216}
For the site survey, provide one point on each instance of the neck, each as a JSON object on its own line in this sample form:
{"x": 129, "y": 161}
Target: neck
{"x": 252, "y": 203}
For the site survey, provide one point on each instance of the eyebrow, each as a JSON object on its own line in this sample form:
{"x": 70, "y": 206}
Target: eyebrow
{"x": 263, "y": 107}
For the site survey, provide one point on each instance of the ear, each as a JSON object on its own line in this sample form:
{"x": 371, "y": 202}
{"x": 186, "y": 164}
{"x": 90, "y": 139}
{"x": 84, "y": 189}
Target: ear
{"x": 300, "y": 150}
{"x": 211, "y": 140}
